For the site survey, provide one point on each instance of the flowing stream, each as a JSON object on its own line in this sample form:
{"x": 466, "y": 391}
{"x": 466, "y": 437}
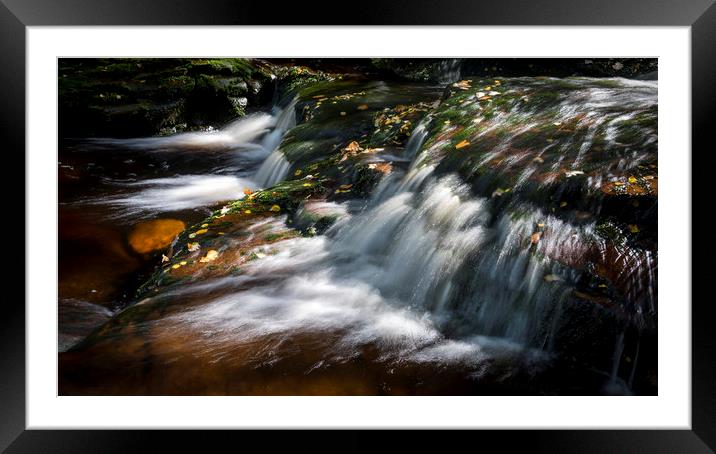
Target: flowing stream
{"x": 432, "y": 274}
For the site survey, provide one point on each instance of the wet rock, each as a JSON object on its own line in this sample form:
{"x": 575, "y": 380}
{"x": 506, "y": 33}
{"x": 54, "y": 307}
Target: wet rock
{"x": 154, "y": 235}
{"x": 136, "y": 97}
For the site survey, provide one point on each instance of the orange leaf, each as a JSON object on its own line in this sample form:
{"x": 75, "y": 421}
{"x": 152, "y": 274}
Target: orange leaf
{"x": 462, "y": 144}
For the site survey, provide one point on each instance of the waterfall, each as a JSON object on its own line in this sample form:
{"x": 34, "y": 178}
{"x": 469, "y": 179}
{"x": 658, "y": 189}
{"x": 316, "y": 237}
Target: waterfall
{"x": 431, "y": 268}
{"x": 275, "y": 168}
{"x": 236, "y": 134}
{"x": 229, "y": 155}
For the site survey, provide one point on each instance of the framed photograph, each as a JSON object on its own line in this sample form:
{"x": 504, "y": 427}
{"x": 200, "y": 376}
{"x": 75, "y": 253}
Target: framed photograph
{"x": 251, "y": 216}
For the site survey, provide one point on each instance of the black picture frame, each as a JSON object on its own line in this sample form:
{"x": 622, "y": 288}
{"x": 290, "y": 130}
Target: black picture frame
{"x": 700, "y": 15}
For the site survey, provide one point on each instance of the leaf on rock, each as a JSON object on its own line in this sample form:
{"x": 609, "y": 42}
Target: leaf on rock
{"x": 462, "y": 144}
{"x": 210, "y": 256}
{"x": 353, "y": 147}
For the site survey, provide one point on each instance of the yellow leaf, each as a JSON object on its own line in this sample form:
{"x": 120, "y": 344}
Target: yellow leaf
{"x": 633, "y": 228}
{"x": 204, "y": 225}
{"x": 201, "y": 231}
{"x": 462, "y": 144}
{"x": 297, "y": 172}
{"x": 275, "y": 208}
{"x": 306, "y": 184}
{"x": 563, "y": 204}
{"x": 632, "y": 180}
{"x": 175, "y": 266}
{"x": 182, "y": 263}
{"x": 247, "y": 211}
{"x": 211, "y": 255}
{"x": 193, "y": 247}
{"x": 362, "y": 107}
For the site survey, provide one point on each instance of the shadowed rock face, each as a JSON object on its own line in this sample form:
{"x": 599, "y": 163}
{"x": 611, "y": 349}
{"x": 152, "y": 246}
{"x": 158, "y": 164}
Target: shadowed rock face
{"x": 499, "y": 240}
{"x": 136, "y": 97}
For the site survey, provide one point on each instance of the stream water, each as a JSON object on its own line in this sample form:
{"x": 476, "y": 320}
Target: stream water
{"x": 427, "y": 287}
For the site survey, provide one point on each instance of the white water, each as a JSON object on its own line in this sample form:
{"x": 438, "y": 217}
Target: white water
{"x": 237, "y": 133}
{"x": 253, "y": 138}
{"x": 179, "y": 193}
{"x": 427, "y": 273}
{"x": 386, "y": 278}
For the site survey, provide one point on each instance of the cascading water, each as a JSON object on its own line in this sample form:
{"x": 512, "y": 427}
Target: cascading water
{"x": 237, "y": 148}
{"x": 276, "y": 166}
{"x": 438, "y": 265}
{"x": 429, "y": 271}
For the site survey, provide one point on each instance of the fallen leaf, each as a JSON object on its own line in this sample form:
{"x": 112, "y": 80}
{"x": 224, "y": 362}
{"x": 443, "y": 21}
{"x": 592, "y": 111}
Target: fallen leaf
{"x": 247, "y": 211}
{"x": 201, "y": 231}
{"x": 164, "y": 258}
{"x": 210, "y": 256}
{"x": 534, "y": 239}
{"x": 462, "y": 144}
{"x": 193, "y": 247}
{"x": 633, "y": 228}
{"x": 275, "y": 208}
{"x": 362, "y": 107}
{"x": 353, "y": 147}
{"x": 297, "y": 172}
{"x": 572, "y": 173}
{"x": 632, "y": 180}
{"x": 563, "y": 204}
{"x": 248, "y": 191}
